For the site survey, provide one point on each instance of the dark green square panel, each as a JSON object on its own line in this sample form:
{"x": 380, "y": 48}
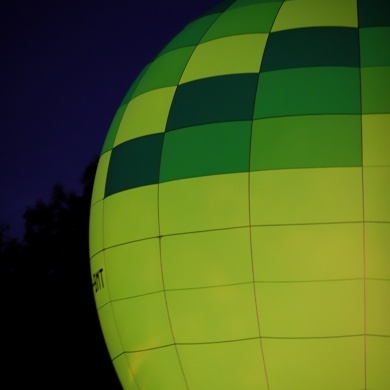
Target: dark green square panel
{"x": 302, "y": 91}
{"x": 308, "y": 47}
{"x": 221, "y": 7}
{"x": 373, "y": 13}
{"x": 206, "y": 150}
{"x": 214, "y": 99}
{"x": 134, "y": 163}
{"x": 306, "y": 142}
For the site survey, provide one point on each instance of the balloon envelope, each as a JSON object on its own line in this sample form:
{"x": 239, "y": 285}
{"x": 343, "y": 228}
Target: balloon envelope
{"x": 240, "y": 219}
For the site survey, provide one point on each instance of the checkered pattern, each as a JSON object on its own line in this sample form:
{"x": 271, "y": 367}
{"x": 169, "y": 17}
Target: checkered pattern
{"x": 241, "y": 208}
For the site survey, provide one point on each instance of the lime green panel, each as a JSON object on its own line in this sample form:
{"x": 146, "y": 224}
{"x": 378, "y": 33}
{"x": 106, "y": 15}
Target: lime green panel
{"x": 99, "y": 184}
{"x": 157, "y": 369}
{"x": 374, "y": 43}
{"x": 376, "y": 139}
{"x": 165, "y": 71}
{"x": 378, "y": 358}
{"x": 110, "y": 332}
{"x": 206, "y": 150}
{"x": 124, "y": 373}
{"x": 110, "y": 138}
{"x": 96, "y": 228}
{"x": 306, "y": 142}
{"x": 142, "y": 322}
{"x": 244, "y": 20}
{"x": 378, "y": 307}
{"x": 204, "y": 259}
{"x": 229, "y": 55}
{"x": 308, "y": 252}
{"x": 311, "y": 309}
{"x": 377, "y": 194}
{"x": 377, "y": 248}
{"x": 308, "y": 13}
{"x": 146, "y": 114}
{"x": 99, "y": 280}
{"x": 134, "y": 269}
{"x": 213, "y": 314}
{"x": 320, "y": 364}
{"x": 376, "y": 90}
{"x": 234, "y": 365}
{"x": 130, "y": 215}
{"x": 204, "y": 203}
{"x": 130, "y": 92}
{"x": 299, "y": 91}
{"x": 192, "y": 33}
{"x": 295, "y": 196}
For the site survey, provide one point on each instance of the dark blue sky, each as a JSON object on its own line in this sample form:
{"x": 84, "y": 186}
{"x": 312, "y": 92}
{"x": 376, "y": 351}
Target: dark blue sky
{"x": 65, "y": 67}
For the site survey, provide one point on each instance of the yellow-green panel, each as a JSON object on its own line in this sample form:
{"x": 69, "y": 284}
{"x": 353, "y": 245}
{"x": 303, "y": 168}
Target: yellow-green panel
{"x": 294, "y": 14}
{"x": 212, "y": 258}
{"x": 233, "y": 365}
{"x": 318, "y": 364}
{"x": 378, "y": 358}
{"x": 165, "y": 70}
{"x": 96, "y": 228}
{"x": 134, "y": 269}
{"x": 378, "y": 307}
{"x": 110, "y": 331}
{"x": 157, "y": 369}
{"x": 308, "y": 252}
{"x": 124, "y": 373}
{"x": 100, "y": 178}
{"x": 295, "y": 196}
{"x": 145, "y": 114}
{"x": 311, "y": 309}
{"x": 204, "y": 203}
{"x": 213, "y": 314}
{"x": 377, "y": 194}
{"x": 377, "y": 248}
{"x": 376, "y": 139}
{"x": 99, "y": 280}
{"x": 142, "y": 322}
{"x": 228, "y": 55}
{"x": 131, "y": 215}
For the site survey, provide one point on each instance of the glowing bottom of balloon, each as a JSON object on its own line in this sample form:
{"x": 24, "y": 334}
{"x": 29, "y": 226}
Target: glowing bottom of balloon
{"x": 290, "y": 293}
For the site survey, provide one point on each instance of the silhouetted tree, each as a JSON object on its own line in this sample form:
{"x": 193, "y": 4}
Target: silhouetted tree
{"x": 55, "y": 337}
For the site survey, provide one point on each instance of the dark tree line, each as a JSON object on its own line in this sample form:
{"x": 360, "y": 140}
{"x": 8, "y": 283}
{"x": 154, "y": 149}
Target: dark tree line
{"x": 51, "y": 333}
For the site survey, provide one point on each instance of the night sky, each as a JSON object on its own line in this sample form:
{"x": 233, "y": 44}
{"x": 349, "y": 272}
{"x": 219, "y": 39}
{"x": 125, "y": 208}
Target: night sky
{"x": 65, "y": 67}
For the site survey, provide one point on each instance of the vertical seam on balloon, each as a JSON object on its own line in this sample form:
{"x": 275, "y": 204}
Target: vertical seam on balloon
{"x": 363, "y": 208}
{"x": 158, "y": 212}
{"x": 249, "y": 207}
{"x": 111, "y": 304}
{"x": 162, "y": 274}
{"x": 199, "y": 42}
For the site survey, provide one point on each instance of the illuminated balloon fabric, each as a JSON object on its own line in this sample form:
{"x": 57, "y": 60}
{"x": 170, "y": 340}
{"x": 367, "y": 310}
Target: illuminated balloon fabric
{"x": 240, "y": 220}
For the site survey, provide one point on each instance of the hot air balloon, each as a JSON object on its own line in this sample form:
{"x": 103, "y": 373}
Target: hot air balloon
{"x": 240, "y": 218}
